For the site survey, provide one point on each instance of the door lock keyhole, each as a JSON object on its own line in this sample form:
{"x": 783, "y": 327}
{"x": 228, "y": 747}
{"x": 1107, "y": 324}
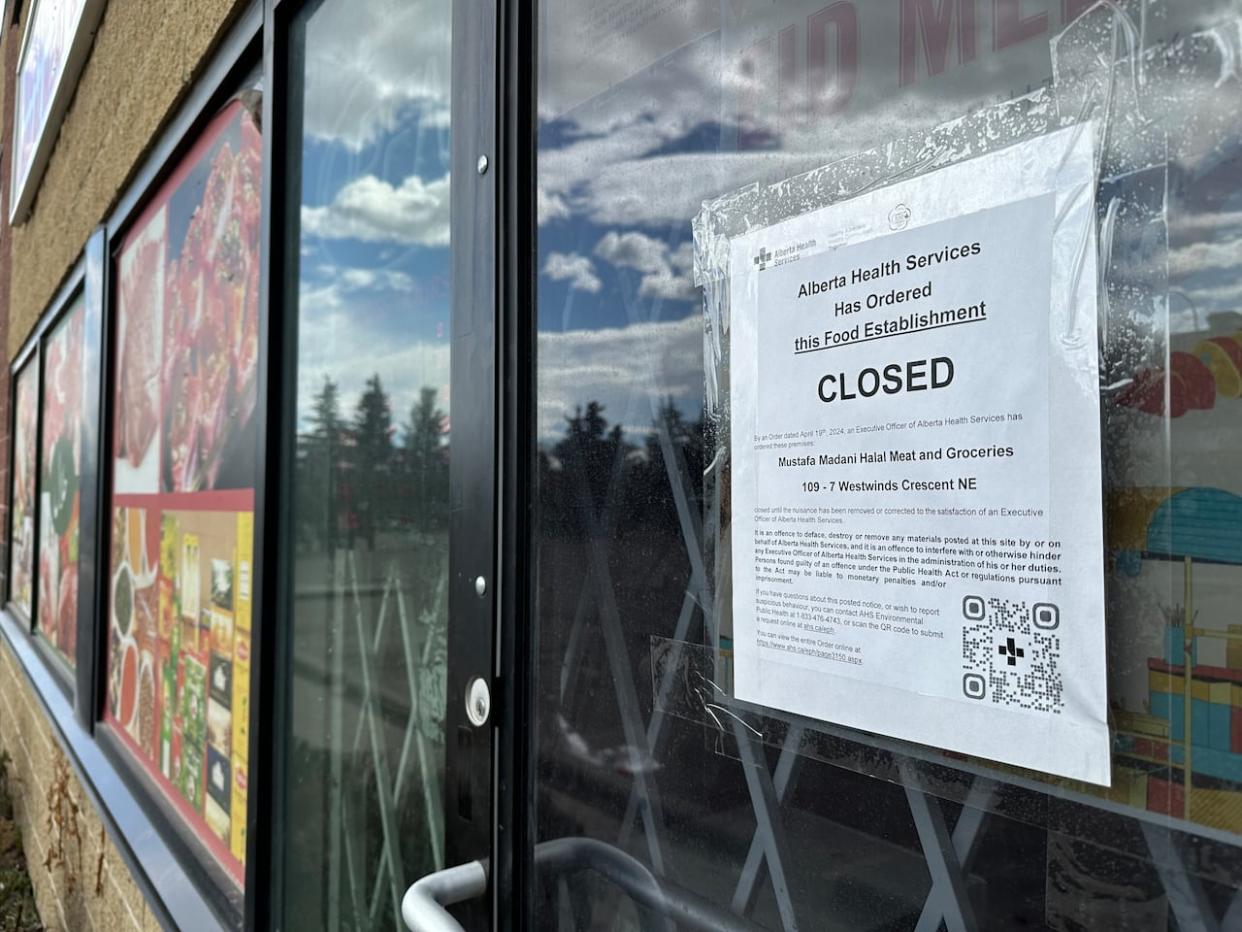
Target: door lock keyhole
{"x": 478, "y": 702}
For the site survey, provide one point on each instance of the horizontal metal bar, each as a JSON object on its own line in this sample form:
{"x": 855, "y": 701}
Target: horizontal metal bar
{"x": 688, "y": 910}
{"x": 423, "y": 906}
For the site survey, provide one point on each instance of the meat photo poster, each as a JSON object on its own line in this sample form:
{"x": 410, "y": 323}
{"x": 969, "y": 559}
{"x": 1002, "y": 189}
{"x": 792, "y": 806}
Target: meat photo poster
{"x": 184, "y": 463}
{"x": 59, "y": 487}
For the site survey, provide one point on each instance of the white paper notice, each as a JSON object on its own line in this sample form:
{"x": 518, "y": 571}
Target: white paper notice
{"x": 917, "y": 518}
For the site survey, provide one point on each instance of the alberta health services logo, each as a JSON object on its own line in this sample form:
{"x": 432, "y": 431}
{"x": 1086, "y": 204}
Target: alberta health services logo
{"x": 765, "y": 258}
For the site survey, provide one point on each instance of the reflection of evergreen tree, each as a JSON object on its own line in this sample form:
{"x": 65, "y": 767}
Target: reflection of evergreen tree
{"x": 425, "y": 479}
{"x": 318, "y": 461}
{"x": 352, "y": 474}
{"x": 619, "y": 528}
{"x": 591, "y": 457}
{"x": 373, "y": 456}
{"x": 651, "y": 494}
{"x": 593, "y": 475}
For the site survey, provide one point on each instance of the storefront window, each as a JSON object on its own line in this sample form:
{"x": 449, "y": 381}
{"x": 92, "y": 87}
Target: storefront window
{"x": 59, "y": 489}
{"x": 184, "y": 468}
{"x": 667, "y": 134}
{"x": 369, "y": 552}
{"x": 25, "y": 447}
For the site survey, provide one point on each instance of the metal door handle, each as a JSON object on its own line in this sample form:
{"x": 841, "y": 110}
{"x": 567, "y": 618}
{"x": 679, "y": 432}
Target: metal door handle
{"x": 423, "y": 906}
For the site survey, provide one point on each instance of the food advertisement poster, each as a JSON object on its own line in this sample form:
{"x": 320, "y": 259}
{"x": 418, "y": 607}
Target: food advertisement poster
{"x": 183, "y": 471}
{"x": 21, "y": 559}
{"x": 57, "y": 40}
{"x": 59, "y": 486}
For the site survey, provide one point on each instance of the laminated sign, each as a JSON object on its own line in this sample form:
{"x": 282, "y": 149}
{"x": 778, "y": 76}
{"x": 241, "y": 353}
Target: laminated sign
{"x": 917, "y": 530}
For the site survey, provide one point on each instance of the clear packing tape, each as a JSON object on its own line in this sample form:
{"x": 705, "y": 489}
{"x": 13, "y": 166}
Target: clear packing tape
{"x": 1150, "y": 106}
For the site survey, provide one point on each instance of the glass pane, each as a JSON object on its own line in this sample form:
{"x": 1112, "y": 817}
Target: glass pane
{"x": 646, "y": 112}
{"x": 25, "y": 446}
{"x": 59, "y": 494}
{"x": 184, "y": 467}
{"x": 369, "y": 554}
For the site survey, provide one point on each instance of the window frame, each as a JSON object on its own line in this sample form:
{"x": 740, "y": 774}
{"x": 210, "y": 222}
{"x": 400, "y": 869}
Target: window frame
{"x": 28, "y": 356}
{"x": 482, "y": 632}
{"x": 73, "y": 682}
{"x": 73, "y": 288}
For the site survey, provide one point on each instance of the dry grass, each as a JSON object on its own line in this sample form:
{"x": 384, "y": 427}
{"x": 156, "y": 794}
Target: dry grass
{"x": 17, "y": 905}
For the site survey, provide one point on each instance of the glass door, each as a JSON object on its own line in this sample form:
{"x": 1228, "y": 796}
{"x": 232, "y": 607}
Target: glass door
{"x": 385, "y": 565}
{"x": 669, "y": 133}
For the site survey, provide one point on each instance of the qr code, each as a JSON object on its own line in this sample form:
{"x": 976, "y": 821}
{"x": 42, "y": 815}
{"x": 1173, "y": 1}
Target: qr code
{"x": 1011, "y": 653}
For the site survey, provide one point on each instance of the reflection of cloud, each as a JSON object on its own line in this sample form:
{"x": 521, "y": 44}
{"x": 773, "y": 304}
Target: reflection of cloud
{"x": 633, "y": 251}
{"x": 1213, "y": 297}
{"x": 577, "y": 269}
{"x": 1204, "y": 274}
{"x": 336, "y": 344}
{"x": 590, "y": 45}
{"x": 665, "y": 274}
{"x": 372, "y": 210}
{"x": 1185, "y": 225}
{"x": 627, "y": 369}
{"x": 360, "y": 279}
{"x": 367, "y": 62}
{"x": 1205, "y": 257}
{"x": 682, "y": 98}
{"x": 551, "y": 207}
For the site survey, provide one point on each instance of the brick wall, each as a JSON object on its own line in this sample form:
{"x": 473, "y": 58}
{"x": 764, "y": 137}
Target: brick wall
{"x": 81, "y": 884}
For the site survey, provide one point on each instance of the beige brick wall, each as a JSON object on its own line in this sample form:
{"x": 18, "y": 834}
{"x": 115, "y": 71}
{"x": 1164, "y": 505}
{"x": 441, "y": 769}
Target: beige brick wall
{"x": 88, "y": 888}
{"x": 144, "y": 60}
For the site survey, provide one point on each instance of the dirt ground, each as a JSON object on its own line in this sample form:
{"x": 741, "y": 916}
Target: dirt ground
{"x": 17, "y": 906}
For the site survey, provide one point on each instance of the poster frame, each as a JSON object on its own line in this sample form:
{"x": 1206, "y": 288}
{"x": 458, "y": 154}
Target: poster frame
{"x": 24, "y": 180}
{"x": 28, "y": 357}
{"x": 32, "y": 353}
{"x": 61, "y": 305}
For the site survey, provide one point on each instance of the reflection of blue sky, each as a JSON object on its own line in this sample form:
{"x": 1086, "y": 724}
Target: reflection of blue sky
{"x": 374, "y": 258}
{"x": 638, "y": 128}
{"x": 619, "y": 317}
{"x": 1205, "y": 240}
{"x": 635, "y": 132}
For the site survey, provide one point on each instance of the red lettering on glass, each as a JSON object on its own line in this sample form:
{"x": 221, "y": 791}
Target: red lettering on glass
{"x": 1008, "y": 26}
{"x": 757, "y": 67}
{"x": 1071, "y": 9}
{"x": 788, "y": 66}
{"x": 934, "y": 22}
{"x": 830, "y": 93}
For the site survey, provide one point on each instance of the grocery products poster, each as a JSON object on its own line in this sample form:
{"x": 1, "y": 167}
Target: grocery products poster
{"x": 184, "y": 465}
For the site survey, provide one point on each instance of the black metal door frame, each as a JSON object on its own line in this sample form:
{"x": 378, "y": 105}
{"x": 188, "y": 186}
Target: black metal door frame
{"x": 470, "y": 750}
{"x": 517, "y": 229}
